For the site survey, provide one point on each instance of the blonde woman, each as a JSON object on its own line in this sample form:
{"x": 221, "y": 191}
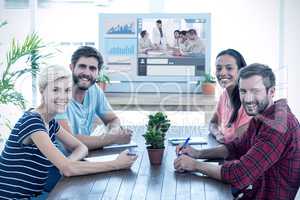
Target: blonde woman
{"x": 30, "y": 150}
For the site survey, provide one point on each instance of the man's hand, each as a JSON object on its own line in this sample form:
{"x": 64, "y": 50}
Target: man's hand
{"x": 120, "y": 136}
{"x": 185, "y": 163}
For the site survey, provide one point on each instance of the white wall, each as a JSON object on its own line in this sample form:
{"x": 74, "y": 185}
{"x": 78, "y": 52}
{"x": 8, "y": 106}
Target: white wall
{"x": 291, "y": 39}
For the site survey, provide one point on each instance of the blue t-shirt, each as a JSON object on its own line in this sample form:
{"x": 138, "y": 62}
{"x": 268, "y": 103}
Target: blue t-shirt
{"x": 23, "y": 168}
{"x": 82, "y": 116}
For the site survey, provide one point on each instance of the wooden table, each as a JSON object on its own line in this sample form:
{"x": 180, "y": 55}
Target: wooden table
{"x": 144, "y": 181}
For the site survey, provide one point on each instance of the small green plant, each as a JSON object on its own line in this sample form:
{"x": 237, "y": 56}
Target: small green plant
{"x": 208, "y": 78}
{"x": 157, "y": 127}
{"x": 102, "y": 76}
{"x": 31, "y": 49}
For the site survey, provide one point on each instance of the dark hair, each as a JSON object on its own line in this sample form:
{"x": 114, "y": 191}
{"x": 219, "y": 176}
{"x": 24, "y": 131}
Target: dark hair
{"x": 183, "y": 32}
{"x": 192, "y": 31}
{"x": 178, "y": 31}
{"x": 143, "y": 33}
{"x": 260, "y": 70}
{"x": 235, "y": 95}
{"x": 87, "y": 51}
{"x": 158, "y": 21}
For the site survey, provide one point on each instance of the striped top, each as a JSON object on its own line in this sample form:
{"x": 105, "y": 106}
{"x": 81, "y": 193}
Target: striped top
{"x": 23, "y": 168}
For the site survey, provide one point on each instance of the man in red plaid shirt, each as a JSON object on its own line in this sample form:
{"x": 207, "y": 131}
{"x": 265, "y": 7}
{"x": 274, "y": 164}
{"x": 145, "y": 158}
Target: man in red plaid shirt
{"x": 265, "y": 162}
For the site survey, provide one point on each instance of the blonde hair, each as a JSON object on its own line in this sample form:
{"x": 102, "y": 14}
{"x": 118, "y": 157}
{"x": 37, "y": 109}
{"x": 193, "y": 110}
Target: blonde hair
{"x": 51, "y": 74}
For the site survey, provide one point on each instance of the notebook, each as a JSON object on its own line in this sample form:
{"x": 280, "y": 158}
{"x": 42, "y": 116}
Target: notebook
{"x": 114, "y": 146}
{"x": 193, "y": 140}
{"x": 102, "y": 158}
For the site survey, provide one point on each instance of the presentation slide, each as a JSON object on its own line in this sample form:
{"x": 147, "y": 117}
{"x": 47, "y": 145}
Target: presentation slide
{"x": 155, "y": 48}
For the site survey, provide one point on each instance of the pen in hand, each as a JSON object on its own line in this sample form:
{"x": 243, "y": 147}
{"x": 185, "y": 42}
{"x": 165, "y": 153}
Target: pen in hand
{"x": 186, "y": 142}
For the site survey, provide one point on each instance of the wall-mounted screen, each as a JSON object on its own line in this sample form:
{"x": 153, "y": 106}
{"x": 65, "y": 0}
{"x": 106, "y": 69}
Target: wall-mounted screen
{"x": 155, "y": 49}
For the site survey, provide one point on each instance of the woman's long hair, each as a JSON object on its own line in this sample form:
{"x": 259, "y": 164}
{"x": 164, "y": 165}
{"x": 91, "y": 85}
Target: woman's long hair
{"x": 235, "y": 95}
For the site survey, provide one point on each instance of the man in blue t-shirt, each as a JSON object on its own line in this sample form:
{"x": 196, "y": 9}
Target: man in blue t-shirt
{"x": 89, "y": 102}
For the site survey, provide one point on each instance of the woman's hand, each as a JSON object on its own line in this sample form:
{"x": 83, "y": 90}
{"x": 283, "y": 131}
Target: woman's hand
{"x": 125, "y": 161}
{"x": 220, "y": 138}
{"x": 188, "y": 150}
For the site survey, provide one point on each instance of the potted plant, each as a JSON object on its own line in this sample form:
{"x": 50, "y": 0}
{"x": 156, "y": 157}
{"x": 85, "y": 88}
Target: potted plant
{"x": 31, "y": 49}
{"x": 208, "y": 84}
{"x": 103, "y": 79}
{"x": 157, "y": 127}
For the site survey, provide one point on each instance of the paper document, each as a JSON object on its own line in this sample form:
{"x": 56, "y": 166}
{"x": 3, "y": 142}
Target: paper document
{"x": 102, "y": 158}
{"x": 131, "y": 144}
{"x": 193, "y": 140}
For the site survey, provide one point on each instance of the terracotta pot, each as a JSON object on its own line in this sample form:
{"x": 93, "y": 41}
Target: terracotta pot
{"x": 208, "y": 88}
{"x": 102, "y": 85}
{"x": 155, "y": 156}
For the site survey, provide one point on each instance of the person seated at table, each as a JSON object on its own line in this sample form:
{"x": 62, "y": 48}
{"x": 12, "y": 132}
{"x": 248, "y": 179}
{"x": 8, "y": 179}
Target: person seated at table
{"x": 194, "y": 44}
{"x": 230, "y": 119}
{"x": 175, "y": 44}
{"x": 145, "y": 43}
{"x": 182, "y": 44}
{"x": 89, "y": 102}
{"x": 183, "y": 40}
{"x": 265, "y": 161}
{"x": 30, "y": 149}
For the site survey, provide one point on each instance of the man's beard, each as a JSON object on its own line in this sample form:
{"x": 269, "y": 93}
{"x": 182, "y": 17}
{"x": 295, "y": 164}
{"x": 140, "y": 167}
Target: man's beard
{"x": 260, "y": 106}
{"x": 76, "y": 80}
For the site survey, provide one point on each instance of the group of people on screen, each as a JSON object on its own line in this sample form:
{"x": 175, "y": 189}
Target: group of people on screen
{"x": 184, "y": 42}
{"x": 259, "y": 137}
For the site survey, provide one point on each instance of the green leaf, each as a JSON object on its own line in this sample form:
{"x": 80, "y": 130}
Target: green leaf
{"x": 31, "y": 47}
{"x": 157, "y": 126}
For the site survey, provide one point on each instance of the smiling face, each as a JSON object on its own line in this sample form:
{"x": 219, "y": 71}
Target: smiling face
{"x": 226, "y": 71}
{"x": 57, "y": 94}
{"x": 254, "y": 95}
{"x": 85, "y": 72}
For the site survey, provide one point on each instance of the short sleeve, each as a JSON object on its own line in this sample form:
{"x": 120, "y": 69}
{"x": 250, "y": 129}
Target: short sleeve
{"x": 102, "y": 105}
{"x": 56, "y": 126}
{"x": 30, "y": 125}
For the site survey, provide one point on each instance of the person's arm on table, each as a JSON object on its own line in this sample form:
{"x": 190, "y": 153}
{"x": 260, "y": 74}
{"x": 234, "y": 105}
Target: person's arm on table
{"x": 69, "y": 167}
{"x": 78, "y": 149}
{"x": 115, "y": 130}
{"x": 96, "y": 142}
{"x": 214, "y": 128}
{"x": 216, "y": 152}
{"x": 258, "y": 159}
{"x": 188, "y": 162}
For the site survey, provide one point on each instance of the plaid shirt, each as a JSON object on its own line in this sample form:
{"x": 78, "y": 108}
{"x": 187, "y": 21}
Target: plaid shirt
{"x": 265, "y": 162}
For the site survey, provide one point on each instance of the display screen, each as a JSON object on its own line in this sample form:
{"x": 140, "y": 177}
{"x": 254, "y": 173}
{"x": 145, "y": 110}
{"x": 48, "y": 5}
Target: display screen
{"x": 162, "y": 45}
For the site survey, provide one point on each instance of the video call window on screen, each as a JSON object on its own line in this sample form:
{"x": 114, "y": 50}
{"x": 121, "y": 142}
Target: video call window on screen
{"x": 171, "y": 41}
